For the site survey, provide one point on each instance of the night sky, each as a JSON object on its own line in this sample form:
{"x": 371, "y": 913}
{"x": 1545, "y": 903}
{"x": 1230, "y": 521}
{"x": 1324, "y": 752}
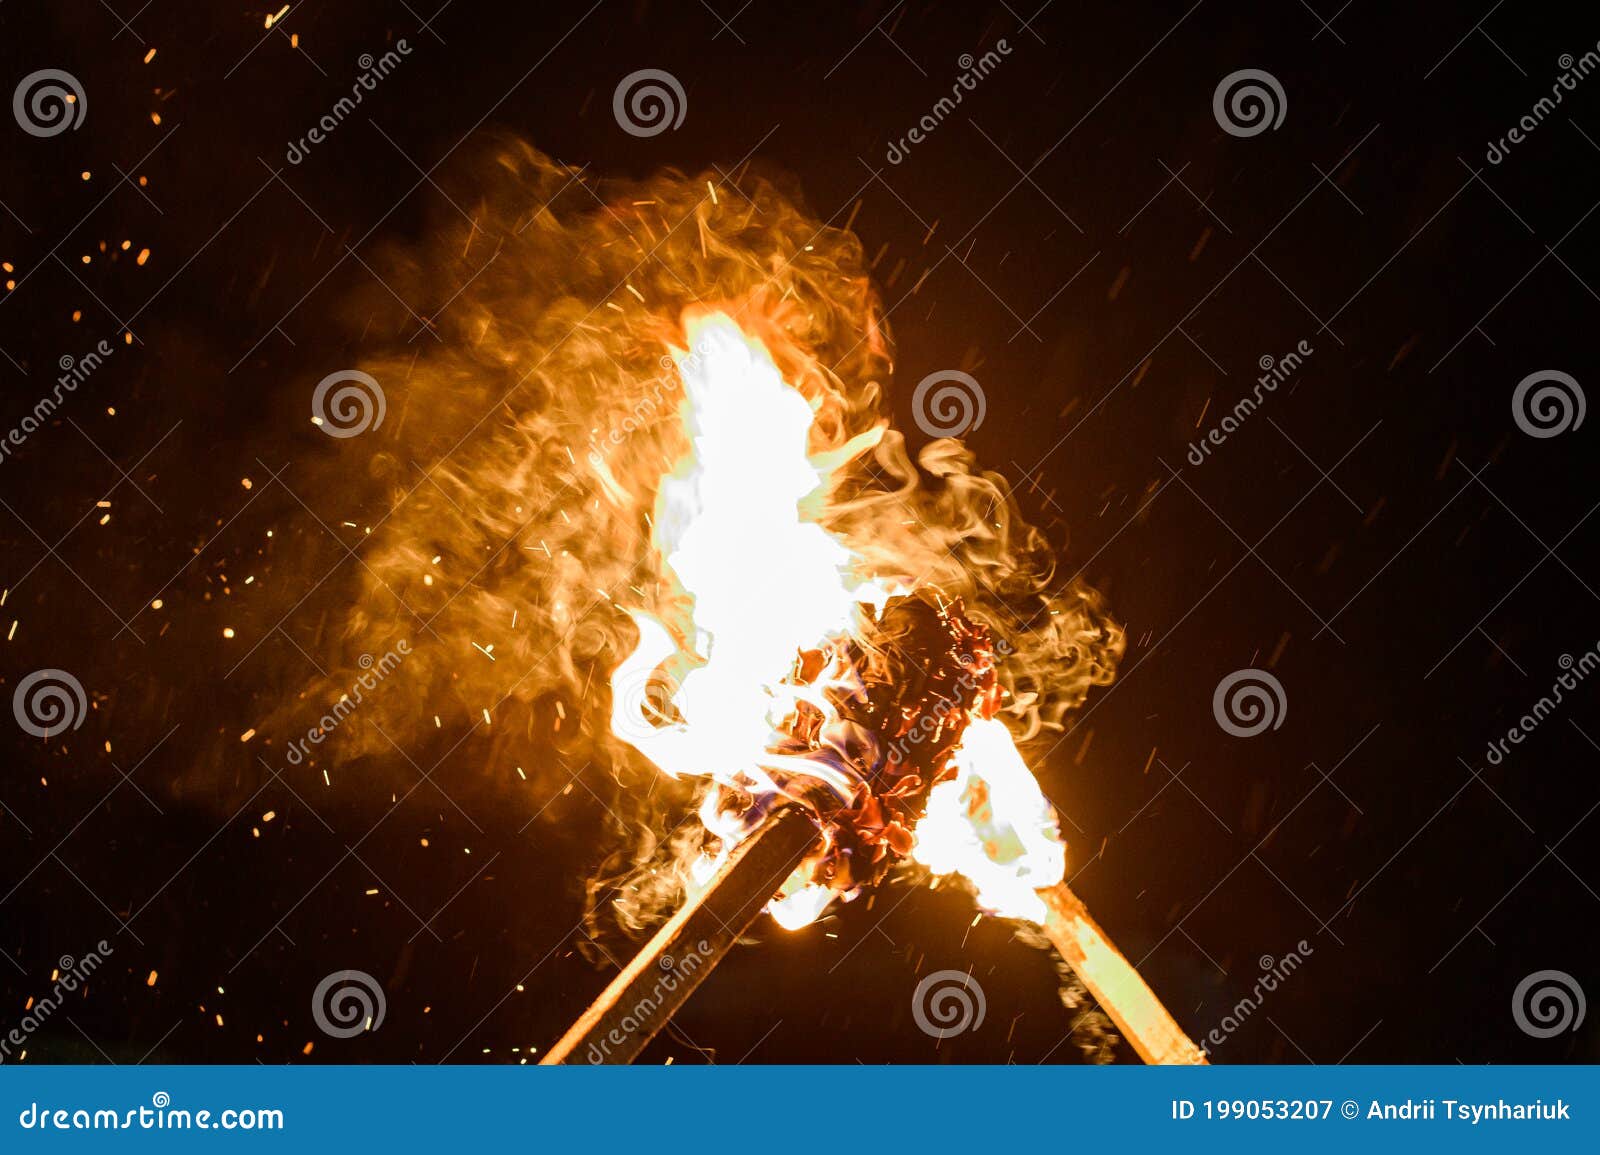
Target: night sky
{"x": 1395, "y": 538}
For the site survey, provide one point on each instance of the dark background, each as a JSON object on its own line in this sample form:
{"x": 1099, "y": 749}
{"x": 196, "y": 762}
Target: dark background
{"x": 1381, "y": 536}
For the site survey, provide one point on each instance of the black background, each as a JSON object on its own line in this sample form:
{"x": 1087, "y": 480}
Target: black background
{"x": 1384, "y": 493}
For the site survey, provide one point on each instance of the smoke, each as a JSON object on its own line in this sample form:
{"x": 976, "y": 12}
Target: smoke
{"x": 527, "y": 432}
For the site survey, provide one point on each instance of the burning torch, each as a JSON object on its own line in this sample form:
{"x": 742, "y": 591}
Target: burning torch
{"x": 858, "y": 728}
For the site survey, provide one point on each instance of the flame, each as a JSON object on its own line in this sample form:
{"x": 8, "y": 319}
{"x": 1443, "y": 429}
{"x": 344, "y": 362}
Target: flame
{"x": 763, "y": 580}
{"x": 736, "y": 529}
{"x": 992, "y": 825}
{"x": 549, "y": 511}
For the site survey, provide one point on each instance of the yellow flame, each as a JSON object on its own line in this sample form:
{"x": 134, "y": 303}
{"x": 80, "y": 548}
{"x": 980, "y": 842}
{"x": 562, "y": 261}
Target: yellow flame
{"x": 736, "y": 529}
{"x": 542, "y": 427}
{"x": 763, "y": 581}
{"x": 992, "y": 825}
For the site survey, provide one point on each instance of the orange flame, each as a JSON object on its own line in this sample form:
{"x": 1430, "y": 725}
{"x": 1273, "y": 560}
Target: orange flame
{"x": 736, "y": 528}
{"x": 553, "y": 517}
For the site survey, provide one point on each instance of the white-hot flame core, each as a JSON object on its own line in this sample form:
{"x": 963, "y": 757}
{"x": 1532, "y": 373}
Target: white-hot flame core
{"x": 992, "y": 825}
{"x": 765, "y": 581}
